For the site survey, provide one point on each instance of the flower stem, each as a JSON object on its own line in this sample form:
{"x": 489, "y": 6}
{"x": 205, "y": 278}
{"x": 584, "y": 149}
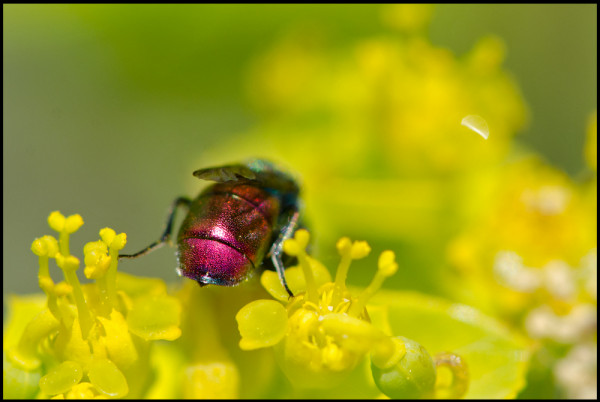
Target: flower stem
{"x": 357, "y": 307}
{"x": 111, "y": 278}
{"x": 312, "y": 294}
{"x": 85, "y": 316}
{"x": 340, "y": 279}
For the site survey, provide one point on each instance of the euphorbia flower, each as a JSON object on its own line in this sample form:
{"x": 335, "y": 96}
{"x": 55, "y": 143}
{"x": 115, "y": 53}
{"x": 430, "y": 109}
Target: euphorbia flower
{"x": 322, "y": 333}
{"x": 89, "y": 341}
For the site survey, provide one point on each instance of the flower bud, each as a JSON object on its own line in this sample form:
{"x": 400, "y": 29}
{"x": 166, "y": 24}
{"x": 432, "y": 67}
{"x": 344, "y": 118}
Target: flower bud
{"x": 360, "y": 249}
{"x": 56, "y": 220}
{"x": 413, "y": 377}
{"x": 302, "y": 237}
{"x": 45, "y": 246}
{"x": 343, "y": 245}
{"x": 387, "y": 263}
{"x": 291, "y": 247}
{"x": 68, "y": 263}
{"x": 73, "y": 223}
{"x": 119, "y": 241}
{"x": 107, "y": 235}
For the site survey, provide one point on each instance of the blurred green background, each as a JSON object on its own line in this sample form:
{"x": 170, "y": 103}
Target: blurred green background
{"x": 107, "y": 107}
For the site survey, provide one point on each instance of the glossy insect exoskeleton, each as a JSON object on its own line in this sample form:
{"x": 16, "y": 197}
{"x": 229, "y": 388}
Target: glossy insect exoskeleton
{"x": 234, "y": 224}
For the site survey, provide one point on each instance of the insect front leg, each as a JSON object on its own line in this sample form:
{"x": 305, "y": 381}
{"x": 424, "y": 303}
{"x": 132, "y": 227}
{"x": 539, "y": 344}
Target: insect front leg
{"x": 180, "y": 201}
{"x": 287, "y": 231}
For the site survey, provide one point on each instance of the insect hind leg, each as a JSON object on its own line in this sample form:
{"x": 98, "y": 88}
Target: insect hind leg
{"x": 276, "y": 251}
{"x": 180, "y": 201}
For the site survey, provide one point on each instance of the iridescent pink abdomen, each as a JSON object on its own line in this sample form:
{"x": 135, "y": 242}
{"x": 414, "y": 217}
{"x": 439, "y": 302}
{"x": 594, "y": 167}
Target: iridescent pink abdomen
{"x": 227, "y": 233}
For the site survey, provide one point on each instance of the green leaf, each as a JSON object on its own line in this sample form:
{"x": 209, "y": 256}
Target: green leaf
{"x": 497, "y": 358}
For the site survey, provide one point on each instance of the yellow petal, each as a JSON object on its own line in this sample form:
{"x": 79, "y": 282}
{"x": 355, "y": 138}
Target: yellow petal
{"x": 107, "y": 378}
{"x": 118, "y": 342}
{"x": 71, "y": 346}
{"x": 136, "y": 286}
{"x": 155, "y": 317}
{"x": 215, "y": 380}
{"x": 61, "y": 378}
{"x": 262, "y": 323}
{"x": 83, "y": 390}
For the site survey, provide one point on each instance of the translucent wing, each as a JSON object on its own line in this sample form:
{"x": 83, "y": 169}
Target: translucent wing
{"x": 226, "y": 173}
{"x": 274, "y": 177}
{"x": 258, "y": 170}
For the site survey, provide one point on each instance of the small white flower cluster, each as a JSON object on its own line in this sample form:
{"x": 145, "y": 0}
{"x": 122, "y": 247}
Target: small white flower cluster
{"x": 510, "y": 272}
{"x": 559, "y": 279}
{"x": 576, "y": 287}
{"x": 577, "y": 372}
{"x": 589, "y": 273}
{"x": 547, "y": 200}
{"x": 543, "y": 323}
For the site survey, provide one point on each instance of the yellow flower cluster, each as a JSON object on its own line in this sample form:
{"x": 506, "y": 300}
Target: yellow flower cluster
{"x": 394, "y": 101}
{"x": 531, "y": 257}
{"x": 369, "y": 123}
{"x": 537, "y": 231}
{"x": 322, "y": 333}
{"x": 383, "y": 123}
{"x": 92, "y": 340}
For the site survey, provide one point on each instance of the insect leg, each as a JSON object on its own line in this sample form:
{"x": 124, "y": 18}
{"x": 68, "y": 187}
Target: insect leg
{"x": 180, "y": 201}
{"x": 286, "y": 232}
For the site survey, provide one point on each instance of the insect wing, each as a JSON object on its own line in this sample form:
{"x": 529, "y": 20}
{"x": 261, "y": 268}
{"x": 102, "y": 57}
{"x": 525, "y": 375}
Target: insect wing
{"x": 222, "y": 174}
{"x": 271, "y": 176}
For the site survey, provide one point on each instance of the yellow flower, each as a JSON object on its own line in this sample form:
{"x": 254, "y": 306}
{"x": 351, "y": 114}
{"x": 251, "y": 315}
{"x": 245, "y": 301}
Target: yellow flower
{"x": 398, "y": 100}
{"x": 530, "y": 255}
{"x": 322, "y": 333}
{"x": 407, "y": 17}
{"x": 535, "y": 228}
{"x": 379, "y": 120}
{"x": 88, "y": 341}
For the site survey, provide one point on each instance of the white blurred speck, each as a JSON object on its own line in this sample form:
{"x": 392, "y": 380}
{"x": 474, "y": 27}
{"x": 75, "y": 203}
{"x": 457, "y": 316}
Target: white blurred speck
{"x": 559, "y": 279}
{"x": 463, "y": 313}
{"x": 548, "y": 200}
{"x": 477, "y": 124}
{"x": 576, "y": 373}
{"x": 510, "y": 272}
{"x": 582, "y": 320}
{"x": 589, "y": 273}
{"x": 540, "y": 322}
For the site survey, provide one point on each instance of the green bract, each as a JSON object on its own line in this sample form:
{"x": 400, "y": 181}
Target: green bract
{"x": 497, "y": 358}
